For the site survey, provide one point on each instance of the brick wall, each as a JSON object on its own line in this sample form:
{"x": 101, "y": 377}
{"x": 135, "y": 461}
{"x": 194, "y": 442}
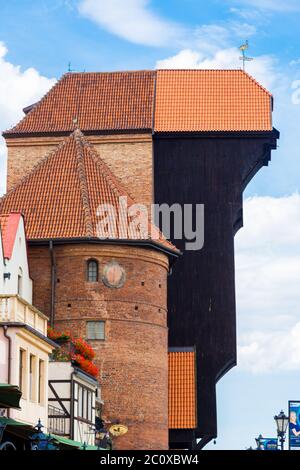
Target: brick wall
{"x": 133, "y": 358}
{"x": 128, "y": 156}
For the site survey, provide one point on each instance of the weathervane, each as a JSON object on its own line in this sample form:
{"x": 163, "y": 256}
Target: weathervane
{"x": 70, "y": 68}
{"x": 244, "y": 58}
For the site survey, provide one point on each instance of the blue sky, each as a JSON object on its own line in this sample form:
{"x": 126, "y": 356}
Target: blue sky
{"x": 38, "y": 38}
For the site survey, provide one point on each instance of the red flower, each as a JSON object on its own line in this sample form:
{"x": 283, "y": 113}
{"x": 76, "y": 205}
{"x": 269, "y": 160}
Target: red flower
{"x": 84, "y": 349}
{"x": 57, "y": 335}
{"x": 86, "y": 365}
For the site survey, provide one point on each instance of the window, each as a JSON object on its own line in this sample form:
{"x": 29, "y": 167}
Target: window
{"x": 22, "y": 359}
{"x": 95, "y": 330}
{"x": 20, "y": 275}
{"x": 32, "y": 377}
{"x": 89, "y": 405}
{"x": 41, "y": 381}
{"x": 92, "y": 270}
{"x": 79, "y": 404}
{"x": 85, "y": 403}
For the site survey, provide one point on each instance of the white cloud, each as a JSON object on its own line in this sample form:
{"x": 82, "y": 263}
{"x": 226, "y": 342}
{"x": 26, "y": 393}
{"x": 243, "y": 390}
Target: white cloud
{"x": 17, "y": 89}
{"x": 248, "y": 14}
{"x": 131, "y": 20}
{"x": 273, "y": 5}
{"x": 295, "y": 62}
{"x": 135, "y": 21}
{"x": 264, "y": 352}
{"x": 267, "y": 279}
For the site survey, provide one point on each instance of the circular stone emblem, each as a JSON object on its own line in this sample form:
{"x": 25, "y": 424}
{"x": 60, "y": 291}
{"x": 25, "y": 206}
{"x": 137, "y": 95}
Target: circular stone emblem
{"x": 113, "y": 275}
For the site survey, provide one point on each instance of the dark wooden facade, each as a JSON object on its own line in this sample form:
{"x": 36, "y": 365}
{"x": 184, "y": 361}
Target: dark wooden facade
{"x": 211, "y": 169}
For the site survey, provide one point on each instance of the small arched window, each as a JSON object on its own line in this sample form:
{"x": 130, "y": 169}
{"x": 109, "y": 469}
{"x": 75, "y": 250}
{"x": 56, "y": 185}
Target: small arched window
{"x": 92, "y": 270}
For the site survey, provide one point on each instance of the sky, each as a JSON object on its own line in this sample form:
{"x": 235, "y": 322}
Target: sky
{"x": 38, "y": 41}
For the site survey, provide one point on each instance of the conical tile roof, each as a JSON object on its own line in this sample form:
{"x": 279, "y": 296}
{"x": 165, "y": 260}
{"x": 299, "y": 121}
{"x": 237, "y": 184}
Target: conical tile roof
{"x": 70, "y": 193}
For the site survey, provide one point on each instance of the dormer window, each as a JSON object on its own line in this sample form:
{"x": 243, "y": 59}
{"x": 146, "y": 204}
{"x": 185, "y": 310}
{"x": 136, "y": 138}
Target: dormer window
{"x": 92, "y": 270}
{"x": 20, "y": 281}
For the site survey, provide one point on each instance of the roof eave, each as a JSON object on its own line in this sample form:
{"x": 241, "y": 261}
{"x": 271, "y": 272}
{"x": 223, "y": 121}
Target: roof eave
{"x": 113, "y": 241}
{"x": 10, "y": 134}
{"x": 217, "y": 134}
{"x": 31, "y": 330}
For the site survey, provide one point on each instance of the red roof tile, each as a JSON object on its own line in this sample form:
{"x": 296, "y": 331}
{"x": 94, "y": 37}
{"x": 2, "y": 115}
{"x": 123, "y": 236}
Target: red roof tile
{"x": 9, "y": 224}
{"x": 182, "y": 390}
{"x": 183, "y": 101}
{"x": 96, "y": 101}
{"x": 60, "y": 197}
{"x": 210, "y": 100}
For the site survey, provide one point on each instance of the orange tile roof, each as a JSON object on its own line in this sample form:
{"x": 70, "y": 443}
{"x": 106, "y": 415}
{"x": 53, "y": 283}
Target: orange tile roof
{"x": 60, "y": 196}
{"x": 210, "y": 100}
{"x": 97, "y": 101}
{"x": 162, "y": 101}
{"x": 9, "y": 224}
{"x": 182, "y": 390}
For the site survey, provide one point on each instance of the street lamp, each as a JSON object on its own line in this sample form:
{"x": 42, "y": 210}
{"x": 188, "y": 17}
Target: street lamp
{"x": 41, "y": 441}
{"x": 282, "y": 422}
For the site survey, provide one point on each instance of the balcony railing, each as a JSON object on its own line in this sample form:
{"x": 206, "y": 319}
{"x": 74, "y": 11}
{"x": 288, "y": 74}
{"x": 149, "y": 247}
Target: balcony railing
{"x": 57, "y": 421}
{"x": 14, "y": 309}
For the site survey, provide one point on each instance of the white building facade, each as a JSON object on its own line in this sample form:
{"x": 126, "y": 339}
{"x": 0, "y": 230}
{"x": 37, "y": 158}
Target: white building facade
{"x": 24, "y": 346}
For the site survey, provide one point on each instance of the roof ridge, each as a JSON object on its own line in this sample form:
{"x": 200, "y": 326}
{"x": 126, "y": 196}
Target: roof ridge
{"x": 35, "y": 168}
{"x": 199, "y": 70}
{"x": 105, "y": 72}
{"x": 83, "y": 182}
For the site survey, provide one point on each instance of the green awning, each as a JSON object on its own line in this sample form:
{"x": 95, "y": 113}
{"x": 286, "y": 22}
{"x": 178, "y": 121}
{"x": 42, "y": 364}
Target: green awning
{"x": 92, "y": 448}
{"x": 26, "y": 431}
{"x": 16, "y": 427}
{"x": 65, "y": 442}
{"x": 10, "y": 396}
{"x": 68, "y": 444}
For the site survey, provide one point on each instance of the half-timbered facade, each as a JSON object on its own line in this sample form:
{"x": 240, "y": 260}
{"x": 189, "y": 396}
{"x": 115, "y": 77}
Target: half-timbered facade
{"x": 74, "y": 396}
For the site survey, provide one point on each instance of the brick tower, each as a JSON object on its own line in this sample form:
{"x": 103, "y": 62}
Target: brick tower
{"x": 112, "y": 292}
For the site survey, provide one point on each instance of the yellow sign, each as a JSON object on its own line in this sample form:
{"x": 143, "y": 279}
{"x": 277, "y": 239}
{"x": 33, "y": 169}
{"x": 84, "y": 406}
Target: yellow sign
{"x": 118, "y": 430}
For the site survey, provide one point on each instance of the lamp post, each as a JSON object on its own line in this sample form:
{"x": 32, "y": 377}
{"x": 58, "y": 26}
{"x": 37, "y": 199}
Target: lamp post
{"x": 41, "y": 441}
{"x": 282, "y": 422}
